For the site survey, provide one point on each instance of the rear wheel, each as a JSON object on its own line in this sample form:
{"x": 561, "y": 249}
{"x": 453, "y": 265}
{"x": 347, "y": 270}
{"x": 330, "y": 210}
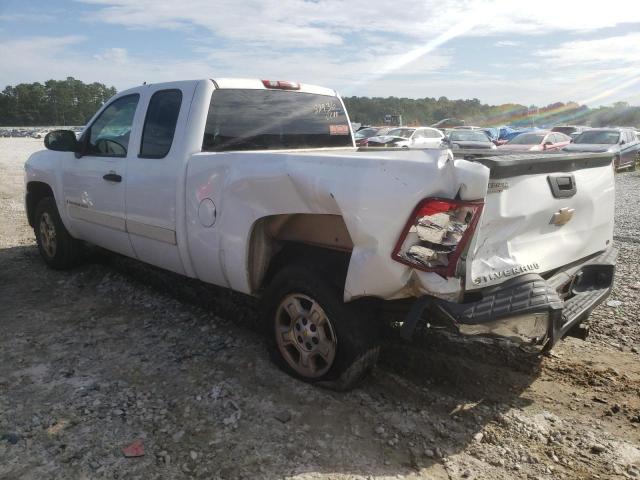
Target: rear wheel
{"x": 57, "y": 247}
{"x": 315, "y": 336}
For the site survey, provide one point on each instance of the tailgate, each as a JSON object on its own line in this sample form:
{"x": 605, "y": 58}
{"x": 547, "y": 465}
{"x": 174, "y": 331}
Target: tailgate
{"x": 542, "y": 211}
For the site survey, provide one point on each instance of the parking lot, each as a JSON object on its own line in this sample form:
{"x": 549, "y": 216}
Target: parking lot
{"x": 96, "y": 358}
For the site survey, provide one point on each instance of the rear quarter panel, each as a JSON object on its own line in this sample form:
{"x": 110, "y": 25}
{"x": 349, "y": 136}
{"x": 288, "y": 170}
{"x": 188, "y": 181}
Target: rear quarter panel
{"x": 374, "y": 193}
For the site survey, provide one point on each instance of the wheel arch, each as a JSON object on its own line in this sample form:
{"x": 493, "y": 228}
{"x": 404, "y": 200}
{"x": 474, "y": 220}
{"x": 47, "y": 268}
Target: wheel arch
{"x": 278, "y": 240}
{"x": 36, "y": 191}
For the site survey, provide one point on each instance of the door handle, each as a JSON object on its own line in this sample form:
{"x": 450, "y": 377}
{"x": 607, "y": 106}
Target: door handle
{"x": 112, "y": 177}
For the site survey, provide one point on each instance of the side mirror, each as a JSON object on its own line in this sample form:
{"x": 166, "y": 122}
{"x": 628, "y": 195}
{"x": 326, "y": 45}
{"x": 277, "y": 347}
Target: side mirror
{"x": 546, "y": 145}
{"x": 622, "y": 142}
{"x": 62, "y": 141}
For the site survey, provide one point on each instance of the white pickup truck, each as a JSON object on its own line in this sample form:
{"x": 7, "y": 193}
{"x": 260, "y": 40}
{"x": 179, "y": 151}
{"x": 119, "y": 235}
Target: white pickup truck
{"x": 257, "y": 186}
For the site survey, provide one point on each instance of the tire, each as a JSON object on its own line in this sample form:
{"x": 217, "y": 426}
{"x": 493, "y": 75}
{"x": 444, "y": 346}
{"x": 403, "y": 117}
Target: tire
{"x": 57, "y": 247}
{"x": 616, "y": 164}
{"x": 305, "y": 317}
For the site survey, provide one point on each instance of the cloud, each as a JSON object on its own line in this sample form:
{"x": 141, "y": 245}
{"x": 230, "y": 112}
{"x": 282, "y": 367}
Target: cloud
{"x": 507, "y": 43}
{"x": 42, "y": 58}
{"x": 300, "y": 23}
{"x": 27, "y": 17}
{"x": 620, "y": 50}
{"x": 335, "y": 27}
{"x": 113, "y": 55}
{"x": 362, "y": 47}
{"x": 600, "y": 70}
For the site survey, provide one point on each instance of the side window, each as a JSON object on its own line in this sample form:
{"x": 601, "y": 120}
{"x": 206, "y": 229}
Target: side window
{"x": 418, "y": 134}
{"x": 108, "y": 136}
{"x": 160, "y": 123}
{"x": 431, "y": 134}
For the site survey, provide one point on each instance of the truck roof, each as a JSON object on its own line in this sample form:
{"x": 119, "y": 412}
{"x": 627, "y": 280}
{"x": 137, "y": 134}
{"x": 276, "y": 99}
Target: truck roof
{"x": 239, "y": 83}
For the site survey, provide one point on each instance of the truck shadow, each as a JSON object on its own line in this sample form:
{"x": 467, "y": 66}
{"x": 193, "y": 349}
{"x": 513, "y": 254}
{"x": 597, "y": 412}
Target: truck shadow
{"x": 428, "y": 400}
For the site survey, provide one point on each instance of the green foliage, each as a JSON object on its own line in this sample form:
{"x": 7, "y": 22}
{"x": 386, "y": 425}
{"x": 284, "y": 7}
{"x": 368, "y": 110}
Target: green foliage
{"x": 56, "y": 102}
{"x": 427, "y": 111}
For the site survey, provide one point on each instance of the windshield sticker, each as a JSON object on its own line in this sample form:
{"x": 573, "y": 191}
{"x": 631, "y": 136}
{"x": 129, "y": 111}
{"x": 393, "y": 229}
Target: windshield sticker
{"x": 329, "y": 110}
{"x": 338, "y": 129}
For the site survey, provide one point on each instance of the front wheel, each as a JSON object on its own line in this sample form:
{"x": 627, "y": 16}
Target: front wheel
{"x": 57, "y": 247}
{"x": 314, "y": 335}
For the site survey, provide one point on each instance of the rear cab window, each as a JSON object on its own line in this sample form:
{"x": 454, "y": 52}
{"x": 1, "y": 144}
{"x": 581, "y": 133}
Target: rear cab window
{"x": 245, "y": 119}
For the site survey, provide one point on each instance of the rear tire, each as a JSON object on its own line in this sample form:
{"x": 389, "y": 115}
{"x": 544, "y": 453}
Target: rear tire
{"x": 57, "y": 247}
{"x": 313, "y": 335}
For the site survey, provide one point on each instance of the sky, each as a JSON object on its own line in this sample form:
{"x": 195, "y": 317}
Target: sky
{"x": 499, "y": 51}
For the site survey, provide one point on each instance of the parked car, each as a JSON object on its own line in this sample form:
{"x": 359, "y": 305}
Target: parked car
{"x": 408, "y": 137}
{"x": 466, "y": 139}
{"x": 363, "y": 135}
{"x": 621, "y": 143}
{"x": 570, "y": 130}
{"x": 467, "y": 127}
{"x": 541, "y": 140}
{"x": 448, "y": 123}
{"x": 327, "y": 236}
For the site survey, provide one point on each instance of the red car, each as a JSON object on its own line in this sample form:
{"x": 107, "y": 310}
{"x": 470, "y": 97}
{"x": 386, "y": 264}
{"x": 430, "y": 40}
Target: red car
{"x": 541, "y": 140}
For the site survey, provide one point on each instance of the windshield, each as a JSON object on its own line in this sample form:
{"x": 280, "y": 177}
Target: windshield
{"x": 468, "y": 136}
{"x": 598, "y": 137}
{"x": 366, "y": 133}
{"x": 401, "y": 132}
{"x": 528, "y": 139}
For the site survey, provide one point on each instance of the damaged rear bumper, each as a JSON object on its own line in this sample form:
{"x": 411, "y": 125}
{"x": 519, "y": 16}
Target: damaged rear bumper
{"x": 529, "y": 308}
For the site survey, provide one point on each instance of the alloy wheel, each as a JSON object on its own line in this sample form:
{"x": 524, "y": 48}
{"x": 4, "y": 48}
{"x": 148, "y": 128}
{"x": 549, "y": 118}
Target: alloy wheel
{"x": 304, "y": 335}
{"x": 48, "y": 235}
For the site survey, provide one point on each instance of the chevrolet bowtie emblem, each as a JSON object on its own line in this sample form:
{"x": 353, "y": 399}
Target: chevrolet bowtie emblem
{"x": 562, "y": 216}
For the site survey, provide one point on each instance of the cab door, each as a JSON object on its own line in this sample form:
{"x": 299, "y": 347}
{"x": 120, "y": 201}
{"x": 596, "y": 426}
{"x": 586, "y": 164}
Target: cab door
{"x": 94, "y": 180}
{"x": 154, "y": 173}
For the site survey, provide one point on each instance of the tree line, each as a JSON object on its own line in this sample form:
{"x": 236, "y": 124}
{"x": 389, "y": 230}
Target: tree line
{"x": 73, "y": 102}
{"x": 54, "y": 102}
{"x": 427, "y": 111}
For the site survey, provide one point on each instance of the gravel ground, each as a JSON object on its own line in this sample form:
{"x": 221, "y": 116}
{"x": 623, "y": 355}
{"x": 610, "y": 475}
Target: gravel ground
{"x": 114, "y": 353}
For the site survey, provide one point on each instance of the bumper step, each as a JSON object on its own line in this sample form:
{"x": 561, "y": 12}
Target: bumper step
{"x": 519, "y": 305}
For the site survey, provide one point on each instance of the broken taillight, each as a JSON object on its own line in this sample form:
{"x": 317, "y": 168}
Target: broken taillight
{"x": 436, "y": 234}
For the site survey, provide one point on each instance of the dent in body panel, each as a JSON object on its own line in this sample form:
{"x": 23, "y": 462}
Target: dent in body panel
{"x": 373, "y": 193}
{"x": 518, "y": 235}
